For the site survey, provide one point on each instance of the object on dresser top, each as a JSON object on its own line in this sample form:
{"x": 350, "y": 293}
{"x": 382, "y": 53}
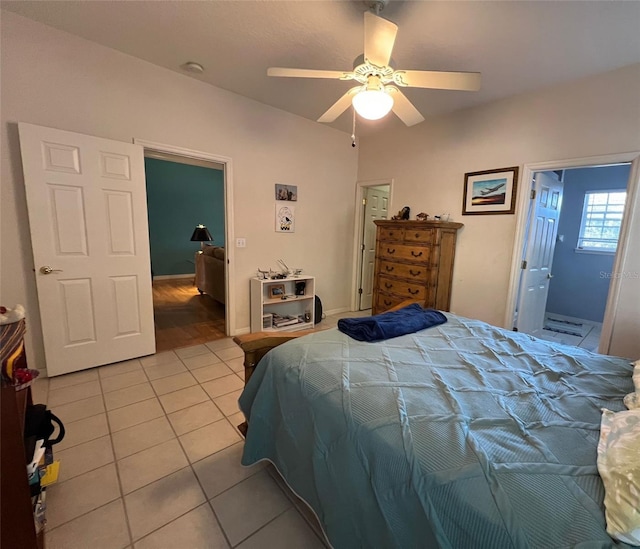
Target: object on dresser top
{"x": 403, "y": 214}
{"x": 414, "y": 260}
{"x": 408, "y": 320}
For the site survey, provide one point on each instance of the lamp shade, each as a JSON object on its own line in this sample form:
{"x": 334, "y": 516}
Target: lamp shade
{"x": 372, "y": 104}
{"x": 201, "y": 234}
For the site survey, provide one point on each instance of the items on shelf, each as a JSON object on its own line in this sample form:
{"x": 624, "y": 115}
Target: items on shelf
{"x": 286, "y": 304}
{"x": 12, "y": 355}
{"x": 285, "y": 272}
{"x": 286, "y": 320}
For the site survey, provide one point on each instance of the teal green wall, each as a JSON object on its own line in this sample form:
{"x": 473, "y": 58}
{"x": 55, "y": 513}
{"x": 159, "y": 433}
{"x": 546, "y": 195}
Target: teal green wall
{"x": 180, "y": 196}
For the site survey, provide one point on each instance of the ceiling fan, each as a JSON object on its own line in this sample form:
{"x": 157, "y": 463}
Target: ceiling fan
{"x": 377, "y": 91}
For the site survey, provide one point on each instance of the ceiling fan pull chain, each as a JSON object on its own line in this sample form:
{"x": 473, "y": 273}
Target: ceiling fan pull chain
{"x": 353, "y": 131}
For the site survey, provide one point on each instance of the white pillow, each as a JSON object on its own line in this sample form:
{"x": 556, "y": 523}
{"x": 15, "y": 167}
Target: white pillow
{"x": 632, "y": 400}
{"x": 619, "y": 467}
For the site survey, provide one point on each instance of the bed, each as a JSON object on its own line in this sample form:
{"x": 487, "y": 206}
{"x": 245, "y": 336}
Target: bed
{"x": 462, "y": 435}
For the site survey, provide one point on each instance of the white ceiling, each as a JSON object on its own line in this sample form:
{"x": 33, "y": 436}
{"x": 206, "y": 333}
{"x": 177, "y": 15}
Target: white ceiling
{"x": 518, "y": 46}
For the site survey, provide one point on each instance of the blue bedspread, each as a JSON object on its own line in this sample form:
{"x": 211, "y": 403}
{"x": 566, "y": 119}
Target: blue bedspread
{"x": 459, "y": 436}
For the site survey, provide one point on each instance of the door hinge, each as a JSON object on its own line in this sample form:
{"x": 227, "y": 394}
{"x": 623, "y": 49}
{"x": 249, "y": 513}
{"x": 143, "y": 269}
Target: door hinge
{"x": 364, "y": 201}
{"x": 524, "y": 264}
{"x": 360, "y": 291}
{"x": 533, "y": 194}
{"x": 362, "y": 247}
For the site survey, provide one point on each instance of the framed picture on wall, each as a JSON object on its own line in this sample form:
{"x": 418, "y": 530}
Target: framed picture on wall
{"x": 490, "y": 192}
{"x": 286, "y": 192}
{"x": 285, "y": 218}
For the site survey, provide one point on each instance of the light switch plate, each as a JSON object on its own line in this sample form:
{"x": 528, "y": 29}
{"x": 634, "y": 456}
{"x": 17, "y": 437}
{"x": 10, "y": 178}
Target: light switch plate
{"x": 241, "y": 242}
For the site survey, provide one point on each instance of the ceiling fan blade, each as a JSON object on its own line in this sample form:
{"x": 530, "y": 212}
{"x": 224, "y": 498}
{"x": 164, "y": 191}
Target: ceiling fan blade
{"x": 379, "y": 37}
{"x": 308, "y": 73}
{"x": 404, "y": 109}
{"x": 339, "y": 106}
{"x": 440, "y": 80}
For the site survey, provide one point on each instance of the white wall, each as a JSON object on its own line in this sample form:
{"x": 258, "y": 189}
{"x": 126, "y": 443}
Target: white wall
{"x": 54, "y": 79}
{"x": 595, "y": 116}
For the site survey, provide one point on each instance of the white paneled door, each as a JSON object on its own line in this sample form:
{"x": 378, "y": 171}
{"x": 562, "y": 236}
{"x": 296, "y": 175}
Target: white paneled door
{"x": 87, "y": 206}
{"x": 538, "y": 256}
{"x": 376, "y": 206}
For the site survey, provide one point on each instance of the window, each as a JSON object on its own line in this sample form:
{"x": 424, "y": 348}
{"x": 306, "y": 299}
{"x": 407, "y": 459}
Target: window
{"x": 601, "y": 221}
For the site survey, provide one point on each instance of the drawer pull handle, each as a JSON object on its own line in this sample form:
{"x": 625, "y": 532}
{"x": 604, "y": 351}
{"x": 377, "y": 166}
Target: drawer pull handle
{"x": 413, "y": 292}
{"x": 390, "y": 251}
{"x": 389, "y": 268}
{"x": 414, "y": 273}
{"x": 387, "y": 285}
{"x": 417, "y": 235}
{"x": 414, "y": 254}
{"x": 387, "y": 303}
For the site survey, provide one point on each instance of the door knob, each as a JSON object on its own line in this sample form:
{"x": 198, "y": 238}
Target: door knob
{"x": 46, "y": 270}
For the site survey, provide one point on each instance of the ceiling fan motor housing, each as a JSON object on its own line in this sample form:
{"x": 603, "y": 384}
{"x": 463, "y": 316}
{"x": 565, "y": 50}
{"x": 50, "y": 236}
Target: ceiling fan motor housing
{"x": 376, "y": 6}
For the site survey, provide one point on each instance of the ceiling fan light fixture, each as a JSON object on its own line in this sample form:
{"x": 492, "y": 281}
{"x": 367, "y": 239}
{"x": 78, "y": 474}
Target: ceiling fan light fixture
{"x": 372, "y": 104}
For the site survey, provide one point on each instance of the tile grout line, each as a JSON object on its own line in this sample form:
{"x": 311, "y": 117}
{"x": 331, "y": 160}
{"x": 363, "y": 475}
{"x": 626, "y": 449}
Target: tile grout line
{"x": 47, "y": 531}
{"x": 190, "y": 466}
{"x": 267, "y": 523}
{"x": 115, "y": 464}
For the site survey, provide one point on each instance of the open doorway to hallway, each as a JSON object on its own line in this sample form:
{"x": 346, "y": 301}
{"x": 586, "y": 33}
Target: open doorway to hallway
{"x": 374, "y": 204}
{"x": 183, "y": 317}
{"x": 185, "y": 200}
{"x": 569, "y": 254}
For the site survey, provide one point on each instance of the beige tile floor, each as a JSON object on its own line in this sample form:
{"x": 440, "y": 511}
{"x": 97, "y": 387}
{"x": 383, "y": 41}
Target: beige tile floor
{"x": 589, "y": 338}
{"x": 151, "y": 458}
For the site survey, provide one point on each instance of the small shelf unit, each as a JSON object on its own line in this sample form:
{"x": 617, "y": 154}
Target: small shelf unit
{"x": 296, "y": 308}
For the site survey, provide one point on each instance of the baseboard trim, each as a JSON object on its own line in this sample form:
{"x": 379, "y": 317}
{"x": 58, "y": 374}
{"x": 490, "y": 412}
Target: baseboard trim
{"x": 242, "y": 331}
{"x": 169, "y": 277}
{"x": 337, "y": 311}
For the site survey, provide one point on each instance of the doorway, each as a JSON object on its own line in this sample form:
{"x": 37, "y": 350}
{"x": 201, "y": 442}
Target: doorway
{"x": 192, "y": 284}
{"x": 568, "y": 266}
{"x": 372, "y": 202}
{"x": 182, "y": 194}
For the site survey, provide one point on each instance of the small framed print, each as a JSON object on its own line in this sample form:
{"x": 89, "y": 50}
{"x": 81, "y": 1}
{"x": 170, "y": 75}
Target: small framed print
{"x": 285, "y": 218}
{"x": 286, "y": 192}
{"x": 490, "y": 192}
{"x": 276, "y": 291}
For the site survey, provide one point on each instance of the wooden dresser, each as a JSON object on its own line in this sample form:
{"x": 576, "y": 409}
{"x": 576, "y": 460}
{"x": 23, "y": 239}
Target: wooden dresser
{"x": 414, "y": 260}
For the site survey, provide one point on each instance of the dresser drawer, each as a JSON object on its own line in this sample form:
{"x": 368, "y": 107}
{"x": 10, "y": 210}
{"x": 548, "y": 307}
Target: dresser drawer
{"x": 404, "y": 252}
{"x": 395, "y": 233}
{"x": 384, "y": 302}
{"x": 402, "y": 287}
{"x": 402, "y": 270}
{"x": 425, "y": 236}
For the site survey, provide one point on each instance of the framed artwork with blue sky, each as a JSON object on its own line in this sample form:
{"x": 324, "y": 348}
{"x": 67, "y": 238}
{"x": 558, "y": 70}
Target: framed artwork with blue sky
{"x": 490, "y": 192}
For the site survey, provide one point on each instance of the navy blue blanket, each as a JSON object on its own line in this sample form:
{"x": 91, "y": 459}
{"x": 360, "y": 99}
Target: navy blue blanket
{"x": 407, "y": 320}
